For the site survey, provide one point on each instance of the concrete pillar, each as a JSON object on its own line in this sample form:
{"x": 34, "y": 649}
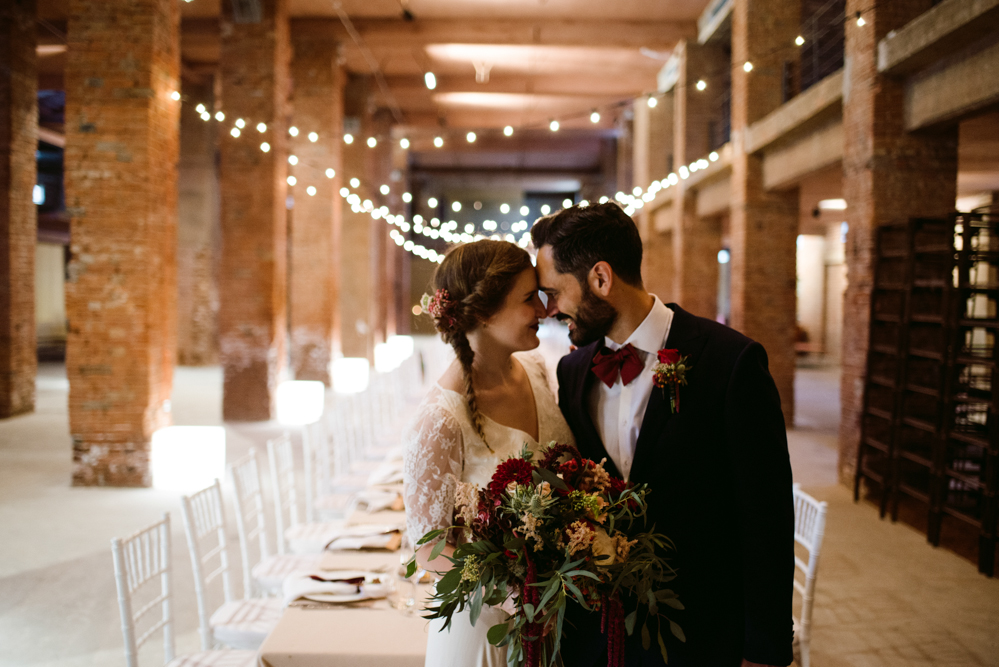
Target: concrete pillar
{"x": 122, "y": 129}
{"x": 252, "y": 316}
{"x": 889, "y": 175}
{"x": 314, "y": 272}
{"x": 763, "y": 224}
{"x": 696, "y": 240}
{"x": 198, "y": 232}
{"x": 18, "y": 224}
{"x": 358, "y": 250}
{"x": 652, "y": 157}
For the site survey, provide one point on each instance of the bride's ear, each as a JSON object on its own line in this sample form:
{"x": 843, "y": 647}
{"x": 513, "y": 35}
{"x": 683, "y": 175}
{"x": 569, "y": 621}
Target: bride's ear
{"x": 600, "y": 279}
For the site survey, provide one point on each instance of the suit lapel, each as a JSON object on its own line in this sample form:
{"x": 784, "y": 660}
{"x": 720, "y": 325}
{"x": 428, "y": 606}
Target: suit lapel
{"x": 590, "y": 434}
{"x": 684, "y": 335}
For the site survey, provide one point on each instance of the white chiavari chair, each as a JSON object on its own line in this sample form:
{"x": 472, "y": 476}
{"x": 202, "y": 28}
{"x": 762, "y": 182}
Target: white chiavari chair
{"x": 142, "y": 574}
{"x": 266, "y": 573}
{"x": 809, "y": 529}
{"x": 236, "y": 623}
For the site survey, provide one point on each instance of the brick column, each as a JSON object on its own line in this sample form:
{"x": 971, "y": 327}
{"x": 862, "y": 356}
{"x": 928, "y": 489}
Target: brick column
{"x": 314, "y": 272}
{"x": 764, "y": 225}
{"x": 122, "y": 123}
{"x": 696, "y": 241}
{"x": 197, "y": 232}
{"x": 889, "y": 175}
{"x": 252, "y": 316}
{"x": 383, "y": 168}
{"x": 652, "y": 157}
{"x": 18, "y": 219}
{"x": 358, "y": 249}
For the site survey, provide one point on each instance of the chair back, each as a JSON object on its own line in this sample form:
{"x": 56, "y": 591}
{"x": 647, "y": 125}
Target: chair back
{"x": 141, "y": 564}
{"x": 809, "y": 529}
{"x": 317, "y": 459}
{"x": 204, "y": 525}
{"x": 282, "y": 460}
{"x": 251, "y": 519}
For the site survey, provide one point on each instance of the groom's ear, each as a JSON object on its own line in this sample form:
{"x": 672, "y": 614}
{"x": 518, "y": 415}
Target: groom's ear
{"x": 601, "y": 278}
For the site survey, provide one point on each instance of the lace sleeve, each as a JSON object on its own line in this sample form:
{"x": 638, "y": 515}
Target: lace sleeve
{"x": 431, "y": 469}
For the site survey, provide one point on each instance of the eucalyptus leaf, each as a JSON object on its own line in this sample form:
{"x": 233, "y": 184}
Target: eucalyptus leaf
{"x": 646, "y": 639}
{"x": 475, "y": 607}
{"x": 497, "y": 633}
{"x": 449, "y": 581}
{"x": 629, "y": 622}
{"x": 677, "y": 631}
{"x": 576, "y": 593}
{"x": 430, "y": 536}
{"x": 554, "y": 480}
{"x": 662, "y": 646}
{"x": 438, "y": 548}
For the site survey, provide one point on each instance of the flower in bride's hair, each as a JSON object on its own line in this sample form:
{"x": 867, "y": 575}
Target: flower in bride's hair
{"x": 442, "y": 308}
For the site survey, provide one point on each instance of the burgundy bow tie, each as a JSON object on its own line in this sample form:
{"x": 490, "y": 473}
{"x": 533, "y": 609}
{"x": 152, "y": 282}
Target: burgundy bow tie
{"x": 626, "y": 361}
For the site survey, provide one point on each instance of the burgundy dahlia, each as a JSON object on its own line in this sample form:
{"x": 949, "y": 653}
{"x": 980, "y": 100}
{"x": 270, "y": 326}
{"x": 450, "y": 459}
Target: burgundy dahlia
{"x": 511, "y": 470}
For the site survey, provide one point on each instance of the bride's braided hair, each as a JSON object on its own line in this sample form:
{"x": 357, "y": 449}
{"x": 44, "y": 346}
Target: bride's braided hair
{"x": 476, "y": 277}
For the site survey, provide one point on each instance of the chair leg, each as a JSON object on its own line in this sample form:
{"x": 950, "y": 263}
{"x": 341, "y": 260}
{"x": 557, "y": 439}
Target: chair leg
{"x": 803, "y": 648}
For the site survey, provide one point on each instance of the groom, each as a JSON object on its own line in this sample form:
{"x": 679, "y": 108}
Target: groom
{"x": 718, "y": 468}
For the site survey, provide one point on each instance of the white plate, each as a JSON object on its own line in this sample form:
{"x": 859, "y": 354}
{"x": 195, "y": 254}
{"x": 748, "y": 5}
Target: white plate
{"x": 340, "y": 599}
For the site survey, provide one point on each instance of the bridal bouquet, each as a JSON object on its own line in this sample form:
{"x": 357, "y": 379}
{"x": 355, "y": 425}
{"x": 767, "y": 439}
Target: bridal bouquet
{"x": 552, "y": 532}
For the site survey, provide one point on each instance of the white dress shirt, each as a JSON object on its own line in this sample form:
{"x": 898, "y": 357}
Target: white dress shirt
{"x": 618, "y": 410}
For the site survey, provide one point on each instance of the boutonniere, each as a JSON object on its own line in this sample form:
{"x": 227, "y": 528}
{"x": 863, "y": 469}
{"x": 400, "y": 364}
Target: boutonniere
{"x": 670, "y": 373}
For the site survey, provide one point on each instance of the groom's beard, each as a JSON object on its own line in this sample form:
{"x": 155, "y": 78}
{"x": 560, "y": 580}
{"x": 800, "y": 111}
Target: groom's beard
{"x": 594, "y": 318}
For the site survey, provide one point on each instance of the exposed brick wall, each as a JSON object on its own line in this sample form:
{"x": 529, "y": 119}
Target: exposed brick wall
{"x": 889, "y": 176}
{"x": 358, "y": 250}
{"x": 254, "y": 66}
{"x": 18, "y": 225}
{"x": 198, "y": 233}
{"x": 763, "y": 225}
{"x": 121, "y": 192}
{"x": 314, "y": 272}
{"x": 696, "y": 241}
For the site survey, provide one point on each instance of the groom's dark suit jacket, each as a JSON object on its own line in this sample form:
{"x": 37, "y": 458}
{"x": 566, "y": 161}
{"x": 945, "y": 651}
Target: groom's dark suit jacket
{"x": 721, "y": 490}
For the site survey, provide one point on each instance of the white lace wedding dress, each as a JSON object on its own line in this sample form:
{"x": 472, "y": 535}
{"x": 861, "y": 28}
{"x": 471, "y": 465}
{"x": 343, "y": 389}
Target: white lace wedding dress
{"x": 442, "y": 447}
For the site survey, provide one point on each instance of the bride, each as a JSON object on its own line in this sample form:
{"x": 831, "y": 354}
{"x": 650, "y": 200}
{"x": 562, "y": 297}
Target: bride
{"x": 491, "y": 401}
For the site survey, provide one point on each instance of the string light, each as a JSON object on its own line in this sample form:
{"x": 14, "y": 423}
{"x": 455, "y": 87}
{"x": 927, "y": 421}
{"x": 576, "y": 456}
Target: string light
{"x": 219, "y": 116}
{"x": 384, "y": 189}
{"x": 430, "y": 80}
{"x": 470, "y": 137}
{"x": 504, "y": 208}
{"x": 292, "y": 180}
{"x": 234, "y": 131}
{"x": 313, "y": 137}
{"x": 205, "y": 115}
{"x": 508, "y": 130}
{"x": 432, "y": 202}
{"x": 240, "y": 123}
{"x": 404, "y": 143}
{"x": 566, "y": 203}
{"x": 175, "y": 96}
{"x": 355, "y": 183}
{"x": 372, "y": 142}
{"x": 701, "y": 84}
{"x": 265, "y": 147}
{"x": 438, "y": 142}
{"x": 713, "y": 156}
{"x": 311, "y": 190}
{"x": 200, "y": 108}
{"x": 652, "y": 101}
{"x": 348, "y": 138}
{"x": 456, "y": 206}
{"x": 860, "y": 20}
{"x": 293, "y": 131}
{"x": 594, "y": 116}
{"x": 293, "y": 159}
{"x": 799, "y": 40}
{"x": 407, "y": 197}
{"x": 261, "y": 127}
{"x": 747, "y": 66}
{"x": 553, "y": 125}
{"x": 546, "y": 209}
{"x": 524, "y": 210}
{"x": 330, "y": 173}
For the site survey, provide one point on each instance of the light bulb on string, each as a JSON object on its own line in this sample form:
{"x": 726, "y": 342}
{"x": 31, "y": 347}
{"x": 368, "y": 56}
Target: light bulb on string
{"x": 219, "y": 116}
{"x": 747, "y": 66}
{"x": 504, "y": 208}
{"x": 384, "y": 189}
{"x": 456, "y": 206}
{"x": 293, "y": 131}
{"x": 594, "y": 116}
{"x": 311, "y": 190}
{"x": 470, "y": 137}
{"x": 205, "y": 115}
{"x": 545, "y": 209}
{"x": 200, "y": 108}
{"x": 355, "y": 183}
{"x": 348, "y": 138}
{"x": 566, "y": 203}
{"x": 175, "y": 96}
{"x": 553, "y": 126}
{"x": 430, "y": 80}
{"x": 407, "y": 197}
{"x": 344, "y": 192}
{"x": 860, "y": 20}
{"x": 313, "y": 137}
{"x": 508, "y": 131}
{"x": 799, "y": 40}
{"x": 438, "y": 142}
{"x": 652, "y": 101}
{"x": 701, "y": 84}
{"x": 432, "y": 202}
{"x": 713, "y": 156}
{"x": 372, "y": 142}
{"x": 292, "y": 160}
{"x": 234, "y": 132}
{"x": 240, "y": 123}
{"x": 404, "y": 143}
{"x": 330, "y": 173}
{"x": 265, "y": 147}
{"x": 292, "y": 180}
{"x": 261, "y": 127}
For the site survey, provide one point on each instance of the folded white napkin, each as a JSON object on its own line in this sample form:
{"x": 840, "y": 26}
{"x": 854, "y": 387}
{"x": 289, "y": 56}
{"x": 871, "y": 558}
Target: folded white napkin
{"x": 364, "y": 536}
{"x": 387, "y": 473}
{"x": 375, "y": 500}
{"x": 301, "y": 585}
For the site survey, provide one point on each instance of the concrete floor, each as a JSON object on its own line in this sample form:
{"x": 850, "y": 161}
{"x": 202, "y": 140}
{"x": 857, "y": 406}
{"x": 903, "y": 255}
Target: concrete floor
{"x": 884, "y": 596}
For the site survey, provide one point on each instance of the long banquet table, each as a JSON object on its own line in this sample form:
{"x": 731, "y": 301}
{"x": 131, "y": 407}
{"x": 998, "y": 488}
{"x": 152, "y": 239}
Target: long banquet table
{"x": 371, "y": 634}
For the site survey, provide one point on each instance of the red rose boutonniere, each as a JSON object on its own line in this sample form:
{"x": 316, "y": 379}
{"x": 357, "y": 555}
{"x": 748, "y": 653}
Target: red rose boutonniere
{"x": 670, "y": 373}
